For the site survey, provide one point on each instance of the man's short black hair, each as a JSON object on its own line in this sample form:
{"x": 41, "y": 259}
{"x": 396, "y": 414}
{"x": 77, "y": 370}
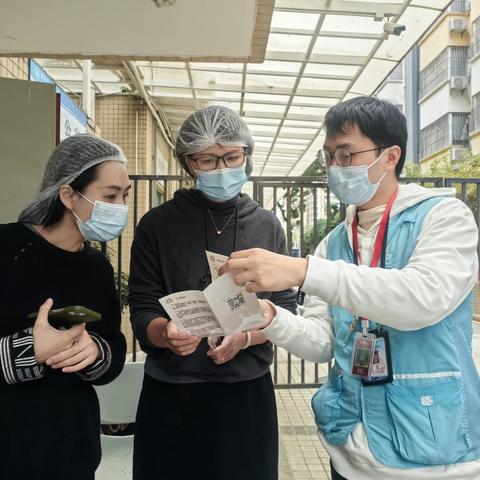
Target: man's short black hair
{"x": 379, "y": 120}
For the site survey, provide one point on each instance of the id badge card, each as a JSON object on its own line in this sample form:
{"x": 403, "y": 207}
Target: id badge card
{"x": 381, "y": 362}
{"x": 363, "y": 347}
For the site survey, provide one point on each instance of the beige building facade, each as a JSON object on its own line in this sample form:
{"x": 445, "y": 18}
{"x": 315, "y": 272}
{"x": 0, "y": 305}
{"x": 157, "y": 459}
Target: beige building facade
{"x": 450, "y": 85}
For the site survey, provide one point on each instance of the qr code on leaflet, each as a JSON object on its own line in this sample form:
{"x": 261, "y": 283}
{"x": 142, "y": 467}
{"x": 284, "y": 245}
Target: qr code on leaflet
{"x": 236, "y": 302}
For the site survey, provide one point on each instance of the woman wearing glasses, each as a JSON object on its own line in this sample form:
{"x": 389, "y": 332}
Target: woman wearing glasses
{"x": 207, "y": 412}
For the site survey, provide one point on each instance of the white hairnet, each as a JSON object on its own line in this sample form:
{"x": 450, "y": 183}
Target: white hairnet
{"x": 68, "y": 161}
{"x": 211, "y": 126}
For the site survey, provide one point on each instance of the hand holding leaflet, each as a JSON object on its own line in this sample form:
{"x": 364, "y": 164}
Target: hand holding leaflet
{"x": 215, "y": 261}
{"x": 221, "y": 309}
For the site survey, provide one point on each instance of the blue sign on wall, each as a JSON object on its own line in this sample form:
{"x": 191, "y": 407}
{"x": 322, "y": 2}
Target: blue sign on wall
{"x": 72, "y": 119}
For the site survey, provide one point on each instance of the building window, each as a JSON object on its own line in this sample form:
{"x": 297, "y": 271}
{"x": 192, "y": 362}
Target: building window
{"x": 460, "y": 6}
{"x": 434, "y": 137}
{"x": 452, "y": 62}
{"x": 458, "y": 61}
{"x": 451, "y": 129}
{"x": 475, "y": 115}
{"x": 459, "y": 128}
{"x": 476, "y": 36}
{"x": 434, "y": 73}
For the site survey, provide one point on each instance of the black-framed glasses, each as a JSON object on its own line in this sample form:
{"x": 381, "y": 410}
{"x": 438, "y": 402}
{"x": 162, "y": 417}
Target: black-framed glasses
{"x": 341, "y": 156}
{"x": 210, "y": 162}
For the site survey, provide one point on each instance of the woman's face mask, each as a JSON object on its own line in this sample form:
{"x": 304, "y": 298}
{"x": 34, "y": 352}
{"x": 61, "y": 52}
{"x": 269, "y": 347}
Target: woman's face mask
{"x": 221, "y": 185}
{"x": 351, "y": 185}
{"x": 107, "y": 221}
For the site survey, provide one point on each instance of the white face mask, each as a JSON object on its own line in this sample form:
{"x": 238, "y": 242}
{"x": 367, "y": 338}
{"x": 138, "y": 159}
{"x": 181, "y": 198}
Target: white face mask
{"x": 221, "y": 185}
{"x": 351, "y": 185}
{"x": 107, "y": 222}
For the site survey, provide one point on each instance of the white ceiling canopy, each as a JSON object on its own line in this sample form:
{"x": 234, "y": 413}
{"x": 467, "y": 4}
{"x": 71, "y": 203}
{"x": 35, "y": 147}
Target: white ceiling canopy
{"x": 136, "y": 29}
{"x": 319, "y": 53}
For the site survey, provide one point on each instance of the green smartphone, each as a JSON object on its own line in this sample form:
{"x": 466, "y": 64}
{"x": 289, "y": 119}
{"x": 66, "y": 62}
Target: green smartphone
{"x": 69, "y": 316}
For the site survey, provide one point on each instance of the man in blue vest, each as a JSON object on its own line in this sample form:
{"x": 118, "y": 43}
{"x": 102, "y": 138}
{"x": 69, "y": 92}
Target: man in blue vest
{"x": 389, "y": 296}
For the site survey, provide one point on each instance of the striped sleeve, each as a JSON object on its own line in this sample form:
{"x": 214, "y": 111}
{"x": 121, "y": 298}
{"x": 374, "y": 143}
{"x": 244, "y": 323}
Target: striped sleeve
{"x": 102, "y": 364}
{"x": 17, "y": 358}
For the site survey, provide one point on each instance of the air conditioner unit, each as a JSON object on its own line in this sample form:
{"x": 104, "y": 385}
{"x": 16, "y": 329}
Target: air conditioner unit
{"x": 457, "y": 154}
{"x": 458, "y": 25}
{"x": 458, "y": 83}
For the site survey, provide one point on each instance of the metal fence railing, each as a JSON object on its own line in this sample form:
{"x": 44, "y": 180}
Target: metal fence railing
{"x": 308, "y": 211}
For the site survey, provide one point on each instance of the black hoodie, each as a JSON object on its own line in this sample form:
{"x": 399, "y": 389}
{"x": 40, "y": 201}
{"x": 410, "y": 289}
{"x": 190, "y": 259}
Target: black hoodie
{"x": 168, "y": 255}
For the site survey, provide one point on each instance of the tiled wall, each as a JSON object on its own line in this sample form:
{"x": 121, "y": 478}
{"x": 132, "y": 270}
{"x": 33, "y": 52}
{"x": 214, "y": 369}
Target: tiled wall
{"x": 11, "y": 67}
{"x": 126, "y": 121}
{"x": 122, "y": 119}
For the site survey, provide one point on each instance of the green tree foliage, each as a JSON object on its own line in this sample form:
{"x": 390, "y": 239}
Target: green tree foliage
{"x": 467, "y": 167}
{"x": 312, "y": 234}
{"x": 297, "y": 200}
{"x": 323, "y": 228}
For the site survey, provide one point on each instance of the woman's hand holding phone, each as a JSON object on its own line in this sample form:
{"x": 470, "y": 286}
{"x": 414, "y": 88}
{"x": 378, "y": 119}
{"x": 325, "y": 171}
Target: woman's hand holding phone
{"x": 47, "y": 340}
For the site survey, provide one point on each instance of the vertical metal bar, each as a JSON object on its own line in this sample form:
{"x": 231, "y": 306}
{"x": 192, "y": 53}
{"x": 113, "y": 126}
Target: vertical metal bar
{"x": 150, "y": 194}
{"x": 464, "y": 191}
{"x": 275, "y": 348}
{"x": 289, "y": 367}
{"x": 302, "y": 219}
{"x": 260, "y": 195}
{"x": 302, "y": 250}
{"x": 412, "y": 109}
{"x": 289, "y": 221}
{"x": 343, "y": 211}
{"x": 275, "y": 364}
{"x": 302, "y": 229}
{"x": 289, "y": 247}
{"x": 135, "y": 204}
{"x": 120, "y": 284}
{"x": 274, "y": 209}
{"x": 119, "y": 269}
{"x": 135, "y": 221}
{"x": 165, "y": 186}
{"x": 329, "y": 211}
{"x": 255, "y": 190}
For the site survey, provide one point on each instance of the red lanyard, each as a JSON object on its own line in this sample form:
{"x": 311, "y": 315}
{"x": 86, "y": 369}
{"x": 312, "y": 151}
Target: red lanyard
{"x": 380, "y": 242}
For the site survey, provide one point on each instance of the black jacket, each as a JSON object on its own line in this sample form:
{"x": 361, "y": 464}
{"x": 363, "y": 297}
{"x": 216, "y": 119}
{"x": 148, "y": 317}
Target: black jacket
{"x": 168, "y": 255}
{"x": 50, "y": 425}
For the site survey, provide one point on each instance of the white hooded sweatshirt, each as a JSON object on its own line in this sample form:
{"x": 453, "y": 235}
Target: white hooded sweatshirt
{"x": 442, "y": 271}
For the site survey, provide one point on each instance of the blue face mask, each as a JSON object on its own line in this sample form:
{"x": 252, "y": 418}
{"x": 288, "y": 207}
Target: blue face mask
{"x": 351, "y": 185}
{"x": 221, "y": 185}
{"x": 107, "y": 222}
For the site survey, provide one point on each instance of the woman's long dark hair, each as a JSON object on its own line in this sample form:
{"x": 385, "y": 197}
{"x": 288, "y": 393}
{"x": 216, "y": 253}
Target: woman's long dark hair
{"x": 57, "y": 208}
